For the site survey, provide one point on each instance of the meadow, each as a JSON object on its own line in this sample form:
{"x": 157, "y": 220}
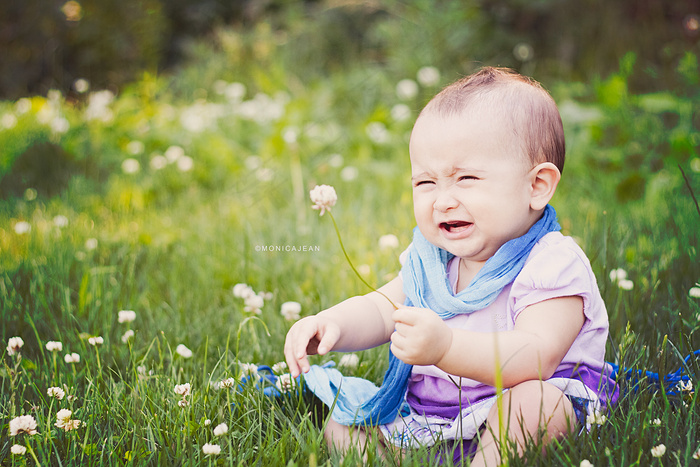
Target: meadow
{"x": 130, "y": 220}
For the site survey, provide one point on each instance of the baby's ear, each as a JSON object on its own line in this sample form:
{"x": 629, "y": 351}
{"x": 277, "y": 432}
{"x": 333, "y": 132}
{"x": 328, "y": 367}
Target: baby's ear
{"x": 545, "y": 178}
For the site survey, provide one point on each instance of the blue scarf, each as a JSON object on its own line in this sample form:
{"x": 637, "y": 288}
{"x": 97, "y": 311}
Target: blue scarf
{"x": 358, "y": 402}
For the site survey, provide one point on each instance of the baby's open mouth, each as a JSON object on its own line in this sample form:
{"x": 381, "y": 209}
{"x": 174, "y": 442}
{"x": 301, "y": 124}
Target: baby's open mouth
{"x": 456, "y": 226}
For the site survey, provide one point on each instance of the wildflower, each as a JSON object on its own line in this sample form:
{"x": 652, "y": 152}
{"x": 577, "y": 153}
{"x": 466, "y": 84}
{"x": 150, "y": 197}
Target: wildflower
{"x": 428, "y": 76}
{"x": 14, "y": 344}
{"x": 254, "y": 304}
{"x": 211, "y": 449}
{"x": 400, "y": 112}
{"x": 656, "y": 422}
{"x": 658, "y": 451}
{"x": 183, "y": 351}
{"x": 185, "y": 164}
{"x": 377, "y": 132}
{"x": 596, "y": 418}
{"x": 134, "y": 147}
{"x": 227, "y": 383}
{"x": 54, "y": 346}
{"x": 130, "y": 166}
{"x": 335, "y": 160}
{"x": 30, "y": 194}
{"x": 625, "y": 284}
{"x": 324, "y": 197}
{"x": 685, "y": 386}
{"x": 364, "y": 269}
{"x": 65, "y": 420}
{"x": 617, "y": 275}
{"x": 285, "y": 383}
{"x": 696, "y": 454}
{"x": 182, "y": 389}
{"x": 279, "y": 367}
{"x": 126, "y": 316}
{"x": 291, "y": 310}
{"x": 248, "y": 368}
{"x": 22, "y": 227}
{"x": 72, "y": 358}
{"x": 242, "y": 291}
{"x": 207, "y": 422}
{"x": 349, "y": 173}
{"x": 18, "y": 449}
{"x": 81, "y": 85}
{"x": 349, "y": 360}
{"x": 221, "y": 429}
{"x": 97, "y": 340}
{"x": 23, "y": 424}
{"x": 406, "y": 89}
{"x": 183, "y": 402}
{"x": 388, "y": 242}
{"x": 60, "y": 221}
{"x": 173, "y": 153}
{"x": 585, "y": 463}
{"x": 90, "y": 243}
{"x": 127, "y": 335}
{"x": 694, "y": 292}
{"x": 158, "y": 162}
{"x": 58, "y": 393}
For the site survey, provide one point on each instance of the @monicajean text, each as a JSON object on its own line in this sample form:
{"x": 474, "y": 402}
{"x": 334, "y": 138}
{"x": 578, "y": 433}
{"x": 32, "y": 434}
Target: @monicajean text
{"x": 288, "y": 248}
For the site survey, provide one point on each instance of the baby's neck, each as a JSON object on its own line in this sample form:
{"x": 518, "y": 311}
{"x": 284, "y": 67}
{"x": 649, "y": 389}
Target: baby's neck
{"x": 467, "y": 271}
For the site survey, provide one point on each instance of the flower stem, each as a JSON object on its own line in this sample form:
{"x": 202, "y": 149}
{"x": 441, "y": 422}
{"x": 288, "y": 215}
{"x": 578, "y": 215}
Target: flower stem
{"x": 342, "y": 247}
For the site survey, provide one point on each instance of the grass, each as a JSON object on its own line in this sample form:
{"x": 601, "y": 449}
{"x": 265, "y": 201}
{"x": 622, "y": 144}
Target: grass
{"x": 171, "y": 242}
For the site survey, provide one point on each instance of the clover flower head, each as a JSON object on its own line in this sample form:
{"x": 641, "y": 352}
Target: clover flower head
{"x": 290, "y": 310}
{"x": 656, "y": 422}
{"x": 182, "y": 389}
{"x": 183, "y": 403}
{"x": 285, "y": 383}
{"x": 227, "y": 383}
{"x": 14, "y": 344}
{"x": 221, "y": 429}
{"x": 324, "y": 198}
{"x": 183, "y": 351}
{"x": 406, "y": 89}
{"x": 55, "y": 392}
{"x": 625, "y": 284}
{"x": 18, "y": 450}
{"x": 388, "y": 242}
{"x": 694, "y": 292}
{"x": 65, "y": 420}
{"x": 618, "y": 274}
{"x": 248, "y": 369}
{"x": 207, "y": 422}
{"x": 54, "y": 346}
{"x": 23, "y": 424}
{"x": 685, "y": 386}
{"x": 349, "y": 360}
{"x": 211, "y": 449}
{"x": 253, "y": 304}
{"x": 596, "y": 419}
{"x": 23, "y": 227}
{"x": 585, "y": 463}
{"x": 658, "y": 451}
{"x": 243, "y": 291}
{"x": 97, "y": 340}
{"x": 127, "y": 335}
{"x": 696, "y": 454}
{"x": 428, "y": 76}
{"x": 72, "y": 358}
{"x": 279, "y": 367}
{"x": 126, "y": 316}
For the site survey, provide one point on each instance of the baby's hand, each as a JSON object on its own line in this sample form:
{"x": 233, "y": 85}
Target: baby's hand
{"x": 421, "y": 336}
{"x": 309, "y": 336}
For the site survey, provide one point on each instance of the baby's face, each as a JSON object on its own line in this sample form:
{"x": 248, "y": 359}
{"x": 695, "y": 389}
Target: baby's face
{"x": 471, "y": 184}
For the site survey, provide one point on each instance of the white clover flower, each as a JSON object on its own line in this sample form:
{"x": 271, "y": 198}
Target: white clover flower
{"x": 207, "y": 422}
{"x": 388, "y": 242}
{"x": 253, "y": 304}
{"x": 285, "y": 382}
{"x": 158, "y": 162}
{"x": 185, "y": 164}
{"x": 625, "y": 284}
{"x": 60, "y": 221}
{"x": 97, "y": 340}
{"x": 349, "y": 173}
{"x": 290, "y": 310}
{"x": 248, "y": 368}
{"x": 23, "y": 105}
{"x": 64, "y": 420}
{"x": 8, "y": 121}
{"x": 135, "y": 147}
{"x": 60, "y": 125}
{"x": 242, "y": 291}
{"x": 227, "y": 383}
{"x": 290, "y": 135}
{"x": 349, "y": 360}
{"x": 658, "y": 451}
{"x": 173, "y": 153}
{"x": 90, "y": 244}
{"x": 182, "y": 389}
{"x": 596, "y": 419}
{"x": 72, "y": 425}
{"x": 235, "y": 91}
{"x": 183, "y": 351}
{"x": 279, "y": 367}
{"x": 18, "y": 450}
{"x": 72, "y": 358}
{"x": 126, "y": 316}
{"x": 428, "y": 76}
{"x": 685, "y": 386}
{"x": 211, "y": 449}
{"x": 364, "y": 269}
{"x": 130, "y": 166}
{"x": 585, "y": 463}
{"x": 335, "y": 160}
{"x": 400, "y": 112}
{"x": 81, "y": 85}
{"x": 127, "y": 335}
{"x": 618, "y": 274}
{"x": 183, "y": 403}
{"x": 55, "y": 392}
{"x": 694, "y": 292}
{"x": 23, "y": 424}
{"x": 696, "y": 454}
{"x": 324, "y": 198}
{"x": 23, "y": 227}
{"x": 221, "y": 429}
{"x": 377, "y": 132}
{"x": 14, "y": 344}
{"x": 406, "y": 89}
{"x": 656, "y": 422}
{"x": 253, "y": 162}
{"x": 98, "y": 106}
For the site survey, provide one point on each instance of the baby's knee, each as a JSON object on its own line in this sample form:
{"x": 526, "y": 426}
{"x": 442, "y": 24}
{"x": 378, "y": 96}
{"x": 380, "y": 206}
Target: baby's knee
{"x": 540, "y": 404}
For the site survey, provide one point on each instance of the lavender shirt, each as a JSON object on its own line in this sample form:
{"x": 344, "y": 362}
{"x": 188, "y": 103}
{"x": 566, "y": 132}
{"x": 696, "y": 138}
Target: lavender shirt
{"x": 556, "y": 267}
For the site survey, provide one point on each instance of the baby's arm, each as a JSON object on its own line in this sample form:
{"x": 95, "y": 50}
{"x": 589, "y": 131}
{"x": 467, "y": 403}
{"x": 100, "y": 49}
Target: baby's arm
{"x": 358, "y": 323}
{"x": 542, "y": 335}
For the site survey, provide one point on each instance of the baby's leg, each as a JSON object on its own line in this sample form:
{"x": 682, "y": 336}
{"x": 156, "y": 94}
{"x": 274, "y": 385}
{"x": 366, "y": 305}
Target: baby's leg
{"x": 343, "y": 438}
{"x": 532, "y": 411}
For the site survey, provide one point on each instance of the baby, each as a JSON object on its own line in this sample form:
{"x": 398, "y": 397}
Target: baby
{"x": 492, "y": 297}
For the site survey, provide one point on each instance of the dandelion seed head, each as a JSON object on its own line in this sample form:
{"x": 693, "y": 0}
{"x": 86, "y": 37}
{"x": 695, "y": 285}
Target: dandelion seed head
{"x": 158, "y": 162}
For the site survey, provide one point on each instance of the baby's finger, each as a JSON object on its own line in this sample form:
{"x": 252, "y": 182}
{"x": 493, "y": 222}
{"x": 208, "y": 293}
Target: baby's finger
{"x": 330, "y": 337}
{"x": 404, "y": 315}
